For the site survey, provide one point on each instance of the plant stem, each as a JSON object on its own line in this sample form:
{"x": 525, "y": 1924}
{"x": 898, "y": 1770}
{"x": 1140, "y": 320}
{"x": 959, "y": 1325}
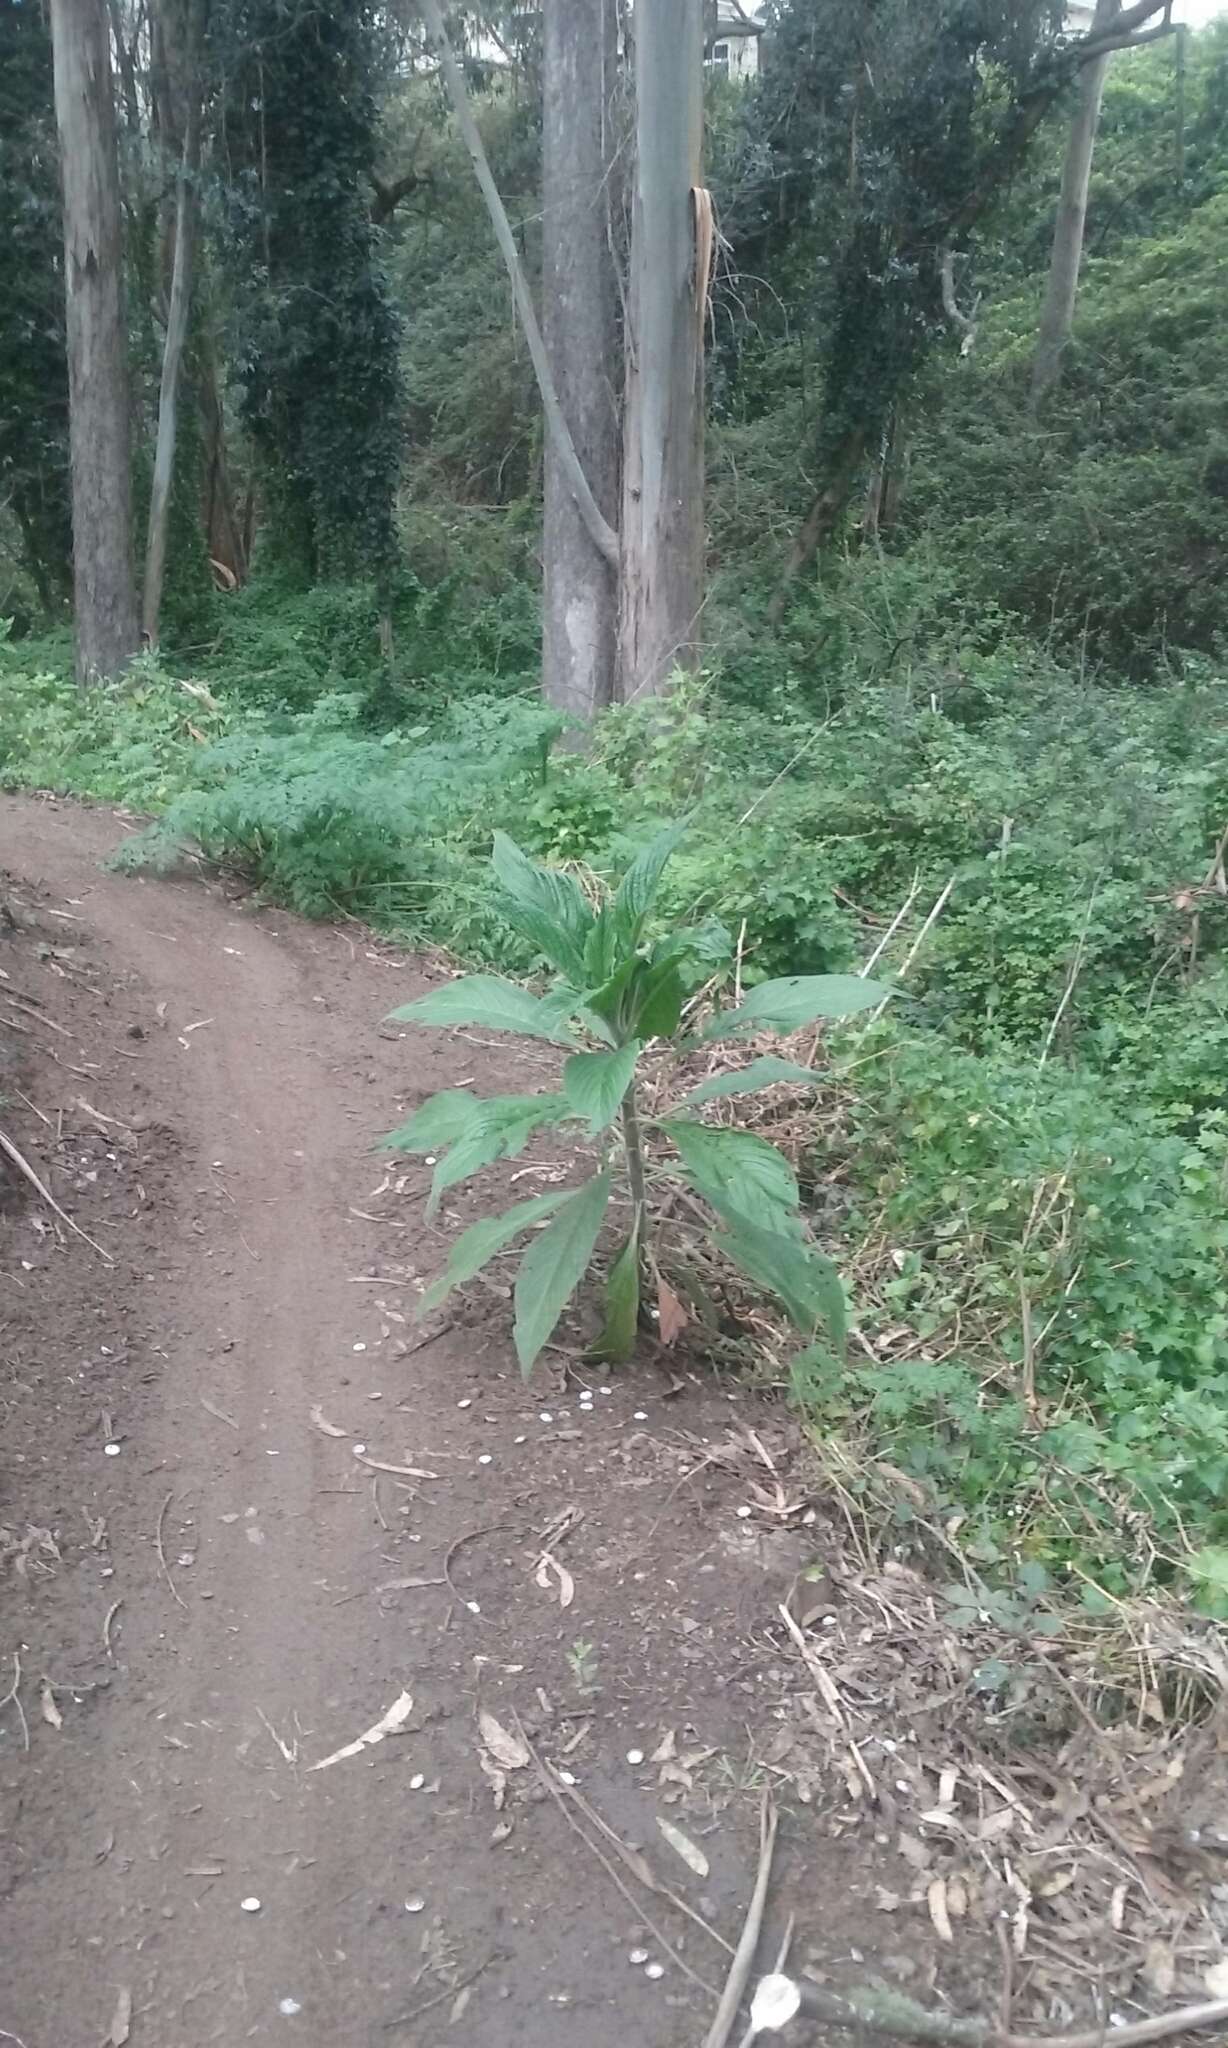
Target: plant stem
{"x": 635, "y": 1161}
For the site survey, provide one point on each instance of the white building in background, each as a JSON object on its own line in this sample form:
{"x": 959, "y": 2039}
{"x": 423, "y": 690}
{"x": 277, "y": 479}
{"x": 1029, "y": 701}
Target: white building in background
{"x": 735, "y": 47}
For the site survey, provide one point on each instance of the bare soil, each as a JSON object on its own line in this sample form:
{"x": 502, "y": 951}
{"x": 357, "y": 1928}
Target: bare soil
{"x": 221, "y": 1558}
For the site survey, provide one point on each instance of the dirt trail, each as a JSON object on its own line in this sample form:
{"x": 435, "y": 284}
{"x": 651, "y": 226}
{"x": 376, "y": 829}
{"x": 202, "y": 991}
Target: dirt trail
{"x": 272, "y": 1274}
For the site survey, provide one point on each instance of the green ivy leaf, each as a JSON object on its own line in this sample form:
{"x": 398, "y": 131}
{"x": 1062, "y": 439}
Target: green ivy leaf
{"x": 489, "y": 1001}
{"x": 764, "y": 1073}
{"x": 500, "y": 1129}
{"x": 437, "y": 1123}
{"x": 741, "y": 1175}
{"x": 477, "y": 1246}
{"x": 554, "y": 1266}
{"x": 798, "y": 999}
{"x": 595, "y": 1083}
{"x": 802, "y": 1278}
{"x": 622, "y": 1306}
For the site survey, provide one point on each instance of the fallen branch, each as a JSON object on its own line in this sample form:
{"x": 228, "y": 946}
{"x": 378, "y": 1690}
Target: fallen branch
{"x": 553, "y": 1787}
{"x": 781, "y": 1999}
{"x": 166, "y": 1570}
{"x": 14, "y": 1695}
{"x": 23, "y": 1165}
{"x": 744, "y": 1954}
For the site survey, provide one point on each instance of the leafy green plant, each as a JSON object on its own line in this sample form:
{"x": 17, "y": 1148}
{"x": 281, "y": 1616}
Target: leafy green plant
{"x": 618, "y": 988}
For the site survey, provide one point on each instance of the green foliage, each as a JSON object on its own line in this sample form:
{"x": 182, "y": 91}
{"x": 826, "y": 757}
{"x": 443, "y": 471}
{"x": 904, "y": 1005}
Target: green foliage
{"x": 628, "y": 989}
{"x": 318, "y": 333}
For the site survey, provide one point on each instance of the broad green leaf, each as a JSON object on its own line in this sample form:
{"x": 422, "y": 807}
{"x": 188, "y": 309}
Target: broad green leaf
{"x": 548, "y": 907}
{"x": 798, "y": 999}
{"x": 639, "y": 885}
{"x": 475, "y": 1247}
{"x": 492, "y": 1003}
{"x": 658, "y": 1001}
{"x": 500, "y": 1129}
{"x": 435, "y": 1124}
{"x": 601, "y": 949}
{"x": 554, "y": 1266}
{"x": 595, "y": 1083}
{"x": 742, "y": 1176}
{"x": 803, "y": 1278}
{"x": 764, "y": 1073}
{"x": 614, "y": 1001}
{"x": 622, "y": 1306}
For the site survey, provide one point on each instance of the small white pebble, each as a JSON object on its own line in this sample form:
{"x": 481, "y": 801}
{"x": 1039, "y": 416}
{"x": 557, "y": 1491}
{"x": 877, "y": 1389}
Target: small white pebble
{"x": 638, "y": 1957}
{"x": 429, "y": 1160}
{"x": 743, "y": 1514}
{"x": 654, "y": 1970}
{"x": 474, "y": 1606}
{"x": 467, "y": 1402}
{"x": 249, "y": 1905}
{"x": 486, "y": 1459}
{"x": 605, "y": 1392}
{"x": 359, "y": 1450}
{"x": 360, "y": 1347}
{"x": 288, "y": 2006}
{"x": 520, "y": 1439}
{"x": 639, "y": 1416}
{"x": 110, "y": 1450}
{"x": 416, "y": 1904}
{"x": 545, "y": 1416}
{"x": 566, "y": 1778}
{"x": 417, "y": 1782}
{"x": 635, "y": 1756}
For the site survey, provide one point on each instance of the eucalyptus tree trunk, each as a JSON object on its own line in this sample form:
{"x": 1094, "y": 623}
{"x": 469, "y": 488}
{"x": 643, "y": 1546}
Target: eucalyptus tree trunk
{"x": 99, "y": 432}
{"x": 580, "y": 331}
{"x": 663, "y": 530}
{"x": 1066, "y": 257}
{"x": 178, "y": 308}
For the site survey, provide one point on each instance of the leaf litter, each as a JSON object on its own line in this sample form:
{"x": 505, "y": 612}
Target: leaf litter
{"x": 389, "y": 1723}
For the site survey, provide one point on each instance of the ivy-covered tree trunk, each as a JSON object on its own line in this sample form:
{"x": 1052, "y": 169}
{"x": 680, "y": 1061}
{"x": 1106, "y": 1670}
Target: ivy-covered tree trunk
{"x": 663, "y": 531}
{"x": 33, "y": 372}
{"x": 1062, "y": 287}
{"x": 104, "y": 591}
{"x": 580, "y": 330}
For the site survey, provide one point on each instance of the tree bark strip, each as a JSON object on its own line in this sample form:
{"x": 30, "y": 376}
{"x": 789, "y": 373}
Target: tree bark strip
{"x": 663, "y": 528}
{"x": 580, "y": 330}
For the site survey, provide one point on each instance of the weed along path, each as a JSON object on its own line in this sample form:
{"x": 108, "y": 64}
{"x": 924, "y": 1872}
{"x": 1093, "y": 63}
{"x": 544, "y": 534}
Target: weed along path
{"x": 312, "y": 1628}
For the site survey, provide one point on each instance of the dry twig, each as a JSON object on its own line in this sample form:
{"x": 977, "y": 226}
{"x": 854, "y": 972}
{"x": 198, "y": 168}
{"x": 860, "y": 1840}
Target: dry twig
{"x": 744, "y": 1955}
{"x": 166, "y": 1570}
{"x": 23, "y": 1165}
{"x": 14, "y": 1695}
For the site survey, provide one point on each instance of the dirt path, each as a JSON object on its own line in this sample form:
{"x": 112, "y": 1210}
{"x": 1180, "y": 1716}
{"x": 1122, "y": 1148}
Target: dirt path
{"x": 265, "y": 1260}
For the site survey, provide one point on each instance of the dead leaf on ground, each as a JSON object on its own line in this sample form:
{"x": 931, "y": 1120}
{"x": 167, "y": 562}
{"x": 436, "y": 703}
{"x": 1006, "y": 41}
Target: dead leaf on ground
{"x": 121, "y": 2024}
{"x": 673, "y": 1318}
{"x": 936, "y": 1899}
{"x": 683, "y": 1846}
{"x": 47, "y": 1706}
{"x": 328, "y": 1428}
{"x": 541, "y": 1577}
{"x": 510, "y": 1752}
{"x": 390, "y": 1723}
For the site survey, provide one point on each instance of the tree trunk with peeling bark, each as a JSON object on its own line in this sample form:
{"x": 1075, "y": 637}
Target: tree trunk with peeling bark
{"x": 663, "y": 531}
{"x": 99, "y": 430}
{"x": 1062, "y": 288}
{"x": 580, "y": 331}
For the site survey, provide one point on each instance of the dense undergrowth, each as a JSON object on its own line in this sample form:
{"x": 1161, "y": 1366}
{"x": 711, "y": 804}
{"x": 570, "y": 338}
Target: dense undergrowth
{"x": 1023, "y": 1167}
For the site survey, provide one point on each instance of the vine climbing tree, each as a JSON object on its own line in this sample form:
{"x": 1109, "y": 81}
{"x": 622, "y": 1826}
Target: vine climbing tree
{"x": 317, "y": 331}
